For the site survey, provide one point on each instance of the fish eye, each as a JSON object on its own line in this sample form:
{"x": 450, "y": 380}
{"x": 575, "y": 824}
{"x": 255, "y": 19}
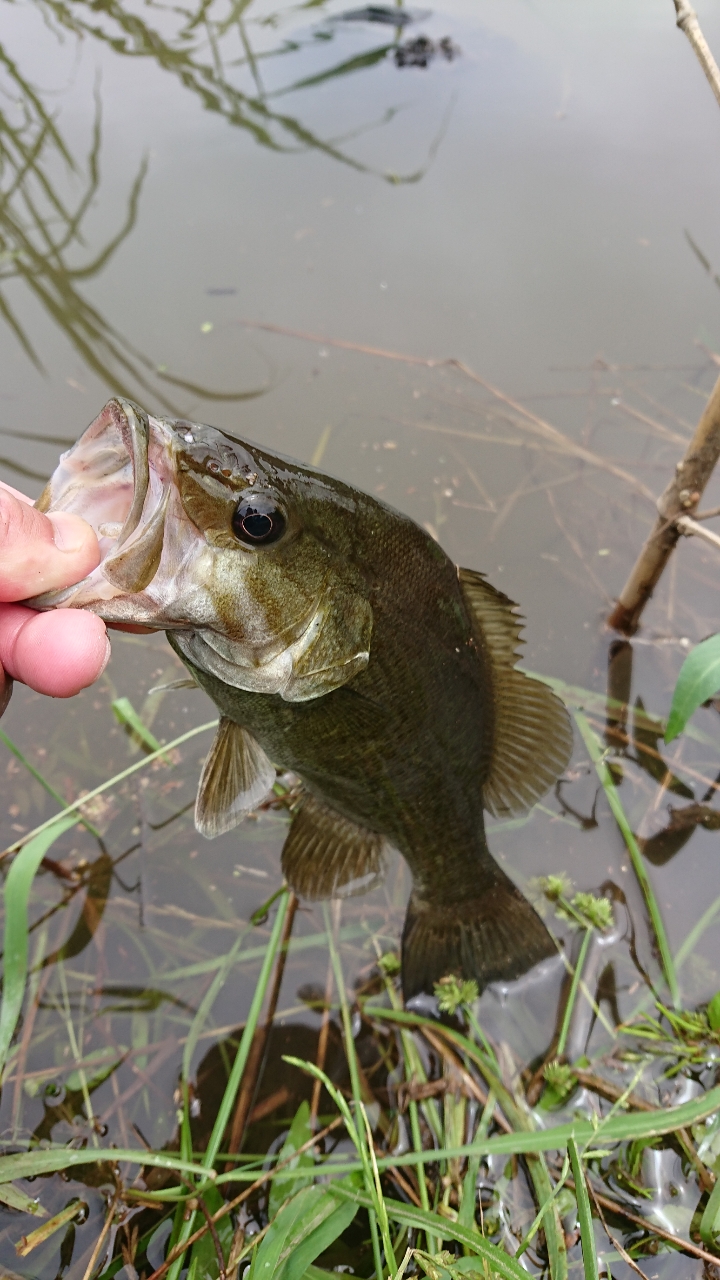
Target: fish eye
{"x": 257, "y": 520}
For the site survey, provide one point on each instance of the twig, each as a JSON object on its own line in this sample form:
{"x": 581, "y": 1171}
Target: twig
{"x": 215, "y": 1237}
{"x": 680, "y": 498}
{"x": 257, "y": 1051}
{"x": 610, "y": 1091}
{"x": 691, "y": 528}
{"x": 322, "y": 1046}
{"x": 613, "y": 1239}
{"x": 228, "y": 1207}
{"x": 531, "y": 422}
{"x": 615, "y": 1206}
{"x": 687, "y": 22}
{"x": 101, "y": 1238}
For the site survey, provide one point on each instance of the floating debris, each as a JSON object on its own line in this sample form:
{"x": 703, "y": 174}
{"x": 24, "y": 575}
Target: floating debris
{"x": 420, "y": 51}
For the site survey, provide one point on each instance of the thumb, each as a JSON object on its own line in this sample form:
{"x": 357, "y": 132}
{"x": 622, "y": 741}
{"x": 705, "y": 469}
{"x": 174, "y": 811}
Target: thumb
{"x": 39, "y": 552}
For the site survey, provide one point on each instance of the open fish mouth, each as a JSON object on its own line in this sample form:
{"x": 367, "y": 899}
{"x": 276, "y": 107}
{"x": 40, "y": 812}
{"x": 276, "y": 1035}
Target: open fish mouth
{"x": 118, "y": 478}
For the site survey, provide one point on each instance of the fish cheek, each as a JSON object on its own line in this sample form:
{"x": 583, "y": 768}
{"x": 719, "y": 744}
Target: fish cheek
{"x": 266, "y": 598}
{"x": 339, "y": 650}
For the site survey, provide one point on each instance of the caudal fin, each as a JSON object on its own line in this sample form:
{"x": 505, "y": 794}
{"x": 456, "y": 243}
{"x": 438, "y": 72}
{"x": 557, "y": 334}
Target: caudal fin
{"x": 489, "y": 938}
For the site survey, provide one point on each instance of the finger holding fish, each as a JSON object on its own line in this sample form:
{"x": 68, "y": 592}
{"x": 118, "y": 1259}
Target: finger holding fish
{"x": 55, "y": 654}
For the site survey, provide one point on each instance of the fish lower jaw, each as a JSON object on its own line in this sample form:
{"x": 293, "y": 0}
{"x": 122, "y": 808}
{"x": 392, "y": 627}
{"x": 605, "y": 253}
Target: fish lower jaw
{"x": 268, "y": 677}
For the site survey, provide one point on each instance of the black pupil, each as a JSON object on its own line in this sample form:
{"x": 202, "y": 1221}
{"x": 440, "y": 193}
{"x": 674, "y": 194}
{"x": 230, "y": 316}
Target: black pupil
{"x": 257, "y": 520}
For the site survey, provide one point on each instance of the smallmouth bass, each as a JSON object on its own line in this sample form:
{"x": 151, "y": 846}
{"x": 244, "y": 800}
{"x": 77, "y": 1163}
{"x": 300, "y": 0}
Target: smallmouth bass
{"x": 337, "y": 640}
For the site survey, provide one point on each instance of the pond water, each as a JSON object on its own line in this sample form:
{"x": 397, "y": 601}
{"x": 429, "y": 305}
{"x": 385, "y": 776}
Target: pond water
{"x": 397, "y": 251}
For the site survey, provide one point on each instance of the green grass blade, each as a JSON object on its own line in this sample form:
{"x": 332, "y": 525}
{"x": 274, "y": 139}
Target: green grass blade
{"x": 42, "y": 1160}
{"x": 187, "y": 1226}
{"x": 38, "y": 776}
{"x": 572, "y": 994}
{"x": 126, "y": 715}
{"x": 699, "y": 679}
{"x": 111, "y": 782}
{"x": 710, "y": 1221}
{"x": 500, "y": 1263}
{"x": 592, "y": 742}
{"x": 15, "y": 940}
{"x": 587, "y": 1233}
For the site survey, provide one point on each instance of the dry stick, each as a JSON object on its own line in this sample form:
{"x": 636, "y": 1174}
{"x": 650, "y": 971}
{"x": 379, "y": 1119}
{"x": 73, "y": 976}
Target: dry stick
{"x": 692, "y": 529}
{"x": 610, "y": 1091}
{"x": 575, "y": 545}
{"x": 215, "y": 1237}
{"x": 681, "y": 496}
{"x": 613, "y": 1239}
{"x": 260, "y": 1039}
{"x": 229, "y": 1205}
{"x": 101, "y": 1238}
{"x": 531, "y": 422}
{"x": 687, "y": 22}
{"x": 615, "y": 1206}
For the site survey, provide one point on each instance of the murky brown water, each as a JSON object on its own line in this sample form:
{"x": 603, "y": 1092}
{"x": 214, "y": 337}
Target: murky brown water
{"x": 528, "y": 205}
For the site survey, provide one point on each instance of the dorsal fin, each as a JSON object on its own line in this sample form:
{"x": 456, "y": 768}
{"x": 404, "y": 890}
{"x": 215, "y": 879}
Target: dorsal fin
{"x": 236, "y": 776}
{"x": 533, "y": 737}
{"x": 327, "y": 856}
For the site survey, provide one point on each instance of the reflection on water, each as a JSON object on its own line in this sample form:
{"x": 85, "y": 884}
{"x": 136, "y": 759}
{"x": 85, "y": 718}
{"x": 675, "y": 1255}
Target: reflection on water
{"x": 41, "y": 230}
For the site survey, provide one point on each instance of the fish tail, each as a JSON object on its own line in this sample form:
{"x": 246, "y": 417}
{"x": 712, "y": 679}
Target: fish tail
{"x": 494, "y": 936}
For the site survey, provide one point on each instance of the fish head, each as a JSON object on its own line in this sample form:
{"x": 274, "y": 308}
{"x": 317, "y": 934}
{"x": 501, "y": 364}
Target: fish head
{"x": 247, "y": 557}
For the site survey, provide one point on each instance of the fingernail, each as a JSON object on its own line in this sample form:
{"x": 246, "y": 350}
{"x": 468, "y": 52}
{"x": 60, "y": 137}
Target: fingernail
{"x": 106, "y": 659}
{"x": 69, "y": 534}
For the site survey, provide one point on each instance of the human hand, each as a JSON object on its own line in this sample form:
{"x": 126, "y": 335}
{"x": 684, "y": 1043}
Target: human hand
{"x": 56, "y": 653}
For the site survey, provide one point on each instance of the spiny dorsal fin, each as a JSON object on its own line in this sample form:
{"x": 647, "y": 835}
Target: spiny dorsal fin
{"x": 236, "y": 776}
{"x": 327, "y": 856}
{"x": 533, "y": 737}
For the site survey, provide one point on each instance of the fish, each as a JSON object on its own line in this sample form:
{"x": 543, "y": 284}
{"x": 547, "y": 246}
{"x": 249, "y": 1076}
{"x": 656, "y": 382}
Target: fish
{"x": 338, "y": 641}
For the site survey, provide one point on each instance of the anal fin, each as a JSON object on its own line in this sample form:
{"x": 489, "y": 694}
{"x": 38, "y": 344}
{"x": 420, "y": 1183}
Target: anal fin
{"x": 236, "y": 776}
{"x": 327, "y": 856}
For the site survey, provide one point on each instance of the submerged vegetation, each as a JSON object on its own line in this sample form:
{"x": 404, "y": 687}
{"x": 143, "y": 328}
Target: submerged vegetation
{"x": 383, "y": 1140}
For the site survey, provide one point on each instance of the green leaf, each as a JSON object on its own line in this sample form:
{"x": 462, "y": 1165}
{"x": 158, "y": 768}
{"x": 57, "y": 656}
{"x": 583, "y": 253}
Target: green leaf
{"x": 15, "y": 940}
{"x": 289, "y": 1180}
{"x": 710, "y": 1221}
{"x": 16, "y": 1199}
{"x": 713, "y": 1012}
{"x": 304, "y": 1227}
{"x": 699, "y": 679}
{"x": 317, "y": 1241}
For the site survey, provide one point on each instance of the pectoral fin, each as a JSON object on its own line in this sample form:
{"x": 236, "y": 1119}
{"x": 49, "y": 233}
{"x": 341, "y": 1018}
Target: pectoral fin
{"x": 236, "y": 776}
{"x": 338, "y": 650}
{"x": 533, "y": 738}
{"x": 327, "y": 856}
